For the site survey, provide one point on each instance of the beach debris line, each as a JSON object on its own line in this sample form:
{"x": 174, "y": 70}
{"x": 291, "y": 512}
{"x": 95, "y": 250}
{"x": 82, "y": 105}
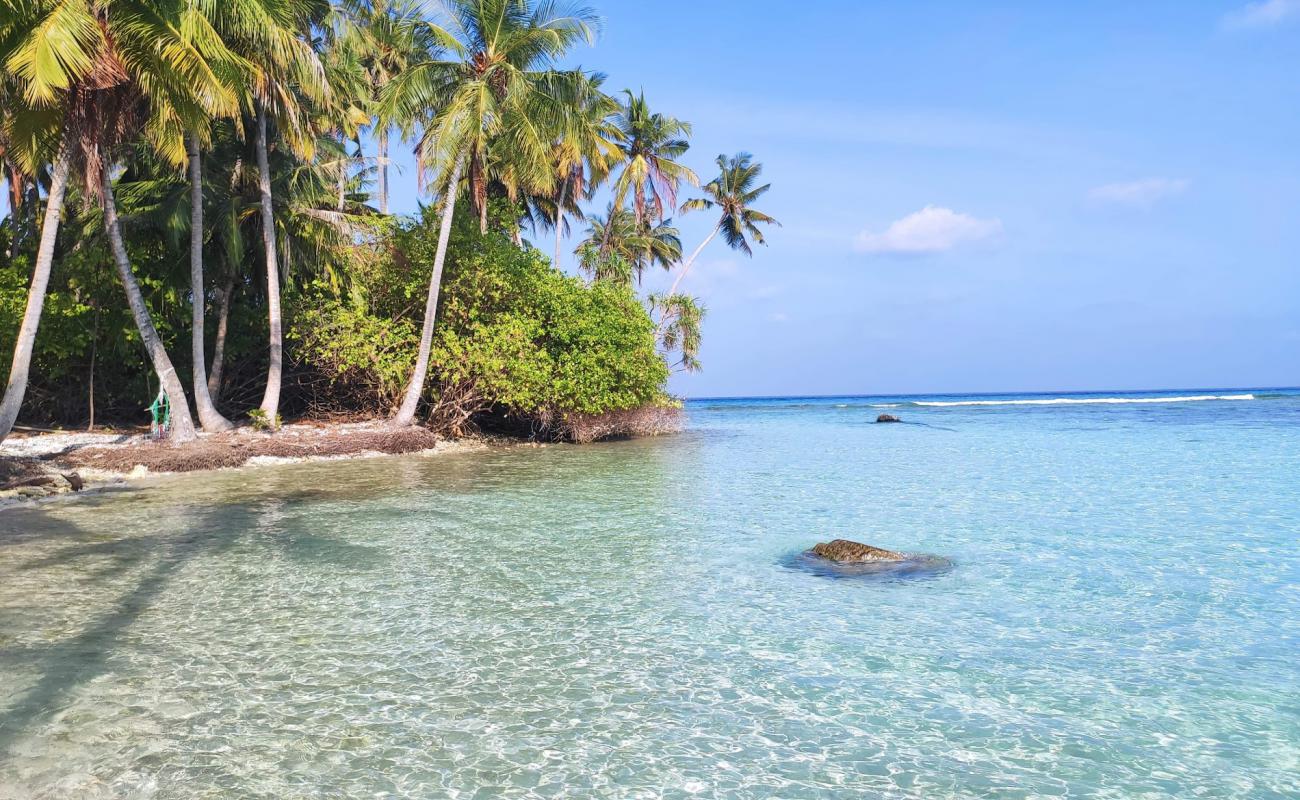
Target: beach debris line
{"x": 887, "y": 418}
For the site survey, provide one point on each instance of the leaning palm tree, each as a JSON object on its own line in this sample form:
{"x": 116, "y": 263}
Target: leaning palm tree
{"x": 652, "y": 143}
{"x": 494, "y": 103}
{"x": 101, "y": 73}
{"x": 36, "y": 127}
{"x": 733, "y": 191}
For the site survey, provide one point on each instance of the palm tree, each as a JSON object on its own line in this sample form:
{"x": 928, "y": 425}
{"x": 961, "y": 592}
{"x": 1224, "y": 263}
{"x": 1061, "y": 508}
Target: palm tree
{"x": 585, "y": 152}
{"x": 209, "y": 417}
{"x": 350, "y": 99}
{"x": 19, "y": 121}
{"x": 733, "y": 191}
{"x": 289, "y": 76}
{"x": 390, "y": 39}
{"x": 681, "y": 318}
{"x": 495, "y": 102}
{"x": 620, "y": 237}
{"x": 103, "y": 72}
{"x": 19, "y": 367}
{"x": 651, "y": 144}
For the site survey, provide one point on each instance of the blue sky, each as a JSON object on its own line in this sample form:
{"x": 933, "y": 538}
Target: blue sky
{"x": 989, "y": 196}
{"x": 986, "y": 196}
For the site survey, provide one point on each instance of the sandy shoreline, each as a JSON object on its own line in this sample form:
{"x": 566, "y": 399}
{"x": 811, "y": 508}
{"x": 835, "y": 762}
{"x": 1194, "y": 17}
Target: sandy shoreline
{"x": 40, "y": 465}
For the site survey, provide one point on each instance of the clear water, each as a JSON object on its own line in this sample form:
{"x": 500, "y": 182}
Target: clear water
{"x": 624, "y": 620}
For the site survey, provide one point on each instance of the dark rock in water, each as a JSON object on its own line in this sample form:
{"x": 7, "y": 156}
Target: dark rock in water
{"x": 916, "y": 566}
{"x": 887, "y": 418}
{"x": 844, "y": 551}
{"x": 853, "y": 560}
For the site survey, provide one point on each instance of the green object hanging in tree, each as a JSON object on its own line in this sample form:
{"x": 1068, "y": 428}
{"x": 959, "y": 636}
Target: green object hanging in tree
{"x": 161, "y": 412}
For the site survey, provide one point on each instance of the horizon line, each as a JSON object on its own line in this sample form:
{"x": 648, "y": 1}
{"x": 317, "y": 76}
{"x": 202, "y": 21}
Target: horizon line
{"x": 995, "y": 394}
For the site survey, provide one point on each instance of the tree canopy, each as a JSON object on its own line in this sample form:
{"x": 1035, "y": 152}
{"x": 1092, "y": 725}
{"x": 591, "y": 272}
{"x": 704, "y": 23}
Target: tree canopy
{"x": 227, "y": 166}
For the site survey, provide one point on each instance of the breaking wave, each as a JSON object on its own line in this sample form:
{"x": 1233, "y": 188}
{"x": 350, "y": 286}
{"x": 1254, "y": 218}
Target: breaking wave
{"x": 1061, "y": 401}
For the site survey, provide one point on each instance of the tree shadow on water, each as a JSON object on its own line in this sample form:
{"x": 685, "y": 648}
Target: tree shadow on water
{"x": 72, "y": 662}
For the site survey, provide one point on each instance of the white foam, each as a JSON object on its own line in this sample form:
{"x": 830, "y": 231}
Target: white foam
{"x": 1061, "y": 401}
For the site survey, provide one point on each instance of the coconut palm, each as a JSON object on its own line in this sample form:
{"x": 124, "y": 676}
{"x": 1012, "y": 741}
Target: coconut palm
{"x": 585, "y": 152}
{"x": 681, "y": 318}
{"x": 347, "y": 112}
{"x": 390, "y": 38}
{"x": 652, "y": 143}
{"x": 733, "y": 191}
{"x": 16, "y": 387}
{"x": 209, "y": 417}
{"x": 289, "y": 77}
{"x": 618, "y": 236}
{"x": 495, "y": 102}
{"x": 101, "y": 73}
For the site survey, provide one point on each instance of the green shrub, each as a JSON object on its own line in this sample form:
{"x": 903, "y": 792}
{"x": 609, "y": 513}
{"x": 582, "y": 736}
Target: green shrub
{"x": 365, "y": 359}
{"x": 514, "y": 334}
{"x": 534, "y": 341}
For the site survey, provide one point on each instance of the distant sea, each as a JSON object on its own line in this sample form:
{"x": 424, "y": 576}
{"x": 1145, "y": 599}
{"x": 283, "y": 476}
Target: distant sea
{"x": 1120, "y": 617}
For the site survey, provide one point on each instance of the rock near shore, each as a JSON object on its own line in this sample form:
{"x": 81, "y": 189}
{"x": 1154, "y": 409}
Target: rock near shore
{"x": 887, "y": 418}
{"x": 38, "y": 486}
{"x": 844, "y": 551}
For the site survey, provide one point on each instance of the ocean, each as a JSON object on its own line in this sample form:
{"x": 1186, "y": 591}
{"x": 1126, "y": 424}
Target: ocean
{"x": 1117, "y": 613}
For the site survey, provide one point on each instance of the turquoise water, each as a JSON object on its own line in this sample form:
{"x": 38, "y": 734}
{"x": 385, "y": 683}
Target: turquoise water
{"x": 625, "y": 620}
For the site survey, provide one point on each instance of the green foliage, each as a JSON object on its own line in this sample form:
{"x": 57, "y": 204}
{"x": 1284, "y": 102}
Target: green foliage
{"x": 88, "y": 340}
{"x": 484, "y": 98}
{"x": 261, "y": 422}
{"x": 537, "y": 341}
{"x": 366, "y": 358}
{"x": 513, "y": 333}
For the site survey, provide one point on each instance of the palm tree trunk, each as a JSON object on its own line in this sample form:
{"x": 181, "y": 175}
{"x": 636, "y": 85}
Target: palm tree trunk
{"x": 415, "y": 389}
{"x": 271, "y": 399}
{"x": 182, "y": 422}
{"x": 341, "y": 181}
{"x": 383, "y": 170}
{"x": 18, "y": 369}
{"x": 559, "y": 220}
{"x": 219, "y": 346}
{"x": 209, "y": 417}
{"x": 686, "y": 267}
{"x": 94, "y": 351}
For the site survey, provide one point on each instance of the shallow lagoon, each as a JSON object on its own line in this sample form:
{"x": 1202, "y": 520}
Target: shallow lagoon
{"x": 627, "y": 620}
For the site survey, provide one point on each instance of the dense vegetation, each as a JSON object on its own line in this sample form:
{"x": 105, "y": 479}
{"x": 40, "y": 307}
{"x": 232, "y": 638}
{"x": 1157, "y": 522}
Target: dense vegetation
{"x": 224, "y": 168}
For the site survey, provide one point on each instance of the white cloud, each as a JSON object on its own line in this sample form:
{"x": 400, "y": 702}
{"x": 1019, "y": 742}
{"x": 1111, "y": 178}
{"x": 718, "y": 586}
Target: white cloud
{"x": 1143, "y": 193}
{"x": 931, "y": 230}
{"x": 1262, "y": 14}
{"x": 778, "y": 316}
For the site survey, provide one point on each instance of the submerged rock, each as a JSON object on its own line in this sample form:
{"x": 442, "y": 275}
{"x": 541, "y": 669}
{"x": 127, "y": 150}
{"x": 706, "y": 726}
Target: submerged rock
{"x": 853, "y": 560}
{"x": 887, "y": 418}
{"x": 844, "y": 551}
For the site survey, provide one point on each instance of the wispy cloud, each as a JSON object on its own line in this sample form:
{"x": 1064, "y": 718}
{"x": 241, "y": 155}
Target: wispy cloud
{"x": 933, "y": 229}
{"x": 1141, "y": 193}
{"x": 1262, "y": 14}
